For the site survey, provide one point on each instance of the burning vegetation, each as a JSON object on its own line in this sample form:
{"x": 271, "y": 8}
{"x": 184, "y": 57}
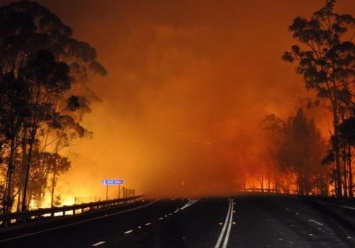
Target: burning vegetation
{"x": 43, "y": 98}
{"x": 191, "y": 109}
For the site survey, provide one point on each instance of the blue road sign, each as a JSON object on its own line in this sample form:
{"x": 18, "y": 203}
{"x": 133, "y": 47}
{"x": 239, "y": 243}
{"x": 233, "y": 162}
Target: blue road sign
{"x": 112, "y": 181}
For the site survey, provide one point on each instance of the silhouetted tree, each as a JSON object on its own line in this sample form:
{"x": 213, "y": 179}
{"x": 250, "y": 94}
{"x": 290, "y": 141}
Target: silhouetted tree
{"x": 347, "y": 137}
{"x": 302, "y": 152}
{"x": 326, "y": 61}
{"x": 43, "y": 71}
{"x": 274, "y": 128}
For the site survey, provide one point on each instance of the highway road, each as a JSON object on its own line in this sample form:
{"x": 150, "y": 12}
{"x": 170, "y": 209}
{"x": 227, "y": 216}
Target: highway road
{"x": 239, "y": 221}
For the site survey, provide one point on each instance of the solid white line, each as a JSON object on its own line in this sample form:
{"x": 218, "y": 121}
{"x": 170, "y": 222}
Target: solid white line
{"x": 224, "y": 226}
{"x": 223, "y": 229}
{"x": 229, "y": 225}
{"x": 99, "y": 243}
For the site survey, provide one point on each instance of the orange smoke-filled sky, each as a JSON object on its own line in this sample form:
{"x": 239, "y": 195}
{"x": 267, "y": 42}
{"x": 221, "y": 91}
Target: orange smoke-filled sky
{"x": 188, "y": 82}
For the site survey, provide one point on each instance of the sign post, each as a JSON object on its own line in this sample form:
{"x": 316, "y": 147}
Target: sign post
{"x": 108, "y": 182}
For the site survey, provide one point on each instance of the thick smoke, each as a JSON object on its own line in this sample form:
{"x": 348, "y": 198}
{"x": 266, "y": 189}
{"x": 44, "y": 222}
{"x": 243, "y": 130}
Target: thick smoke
{"x": 188, "y": 83}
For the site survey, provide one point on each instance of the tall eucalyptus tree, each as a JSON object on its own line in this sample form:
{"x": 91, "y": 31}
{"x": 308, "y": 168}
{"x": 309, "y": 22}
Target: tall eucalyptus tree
{"x": 326, "y": 61}
{"x": 42, "y": 80}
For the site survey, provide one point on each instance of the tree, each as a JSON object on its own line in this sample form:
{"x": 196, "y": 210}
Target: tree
{"x": 43, "y": 73}
{"x": 12, "y": 114}
{"x": 347, "y": 137}
{"x": 296, "y": 148}
{"x": 274, "y": 128}
{"x": 326, "y": 61}
{"x": 302, "y": 151}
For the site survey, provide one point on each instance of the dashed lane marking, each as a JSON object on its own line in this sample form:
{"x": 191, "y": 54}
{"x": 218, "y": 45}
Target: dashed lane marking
{"x": 79, "y": 222}
{"x": 99, "y": 243}
{"x": 316, "y": 222}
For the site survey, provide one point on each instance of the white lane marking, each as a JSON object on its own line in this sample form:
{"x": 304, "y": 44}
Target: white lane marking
{"x": 336, "y": 205}
{"x": 223, "y": 229}
{"x": 99, "y": 243}
{"x": 229, "y": 226}
{"x": 77, "y": 223}
{"x": 188, "y": 204}
{"x": 316, "y": 222}
{"x": 161, "y": 218}
{"x": 226, "y": 227}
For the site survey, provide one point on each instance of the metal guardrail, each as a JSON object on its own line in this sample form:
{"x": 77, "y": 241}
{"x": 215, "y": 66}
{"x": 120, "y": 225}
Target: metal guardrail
{"x": 263, "y": 190}
{"x": 29, "y": 216}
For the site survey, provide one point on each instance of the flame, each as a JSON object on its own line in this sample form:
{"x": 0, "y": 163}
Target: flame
{"x": 184, "y": 94}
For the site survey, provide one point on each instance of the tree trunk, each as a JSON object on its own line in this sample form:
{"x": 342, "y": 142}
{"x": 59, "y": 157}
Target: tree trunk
{"x": 351, "y": 193}
{"x": 53, "y": 186}
{"x": 338, "y": 182}
{"x": 9, "y": 178}
{"x": 345, "y": 184}
{"x": 33, "y": 132}
{"x": 27, "y": 175}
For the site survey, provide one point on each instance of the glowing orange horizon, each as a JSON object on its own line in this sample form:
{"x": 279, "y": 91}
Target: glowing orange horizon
{"x": 187, "y": 86}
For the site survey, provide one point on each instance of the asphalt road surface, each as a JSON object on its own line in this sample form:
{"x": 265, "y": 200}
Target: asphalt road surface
{"x": 240, "y": 221}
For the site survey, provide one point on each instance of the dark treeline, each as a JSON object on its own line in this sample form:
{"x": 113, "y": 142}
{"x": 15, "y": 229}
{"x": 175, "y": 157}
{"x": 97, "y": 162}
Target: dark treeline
{"x": 296, "y": 149}
{"x": 43, "y": 96}
{"x": 326, "y": 60}
{"x": 298, "y": 159}
{"x": 325, "y": 57}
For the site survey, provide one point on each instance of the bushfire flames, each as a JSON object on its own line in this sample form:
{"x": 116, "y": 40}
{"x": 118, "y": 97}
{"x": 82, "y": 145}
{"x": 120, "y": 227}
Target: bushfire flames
{"x": 189, "y": 85}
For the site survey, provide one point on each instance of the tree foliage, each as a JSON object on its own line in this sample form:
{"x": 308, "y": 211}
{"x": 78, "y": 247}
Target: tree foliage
{"x": 43, "y": 96}
{"x": 326, "y": 60}
{"x": 302, "y": 153}
{"x": 297, "y": 148}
